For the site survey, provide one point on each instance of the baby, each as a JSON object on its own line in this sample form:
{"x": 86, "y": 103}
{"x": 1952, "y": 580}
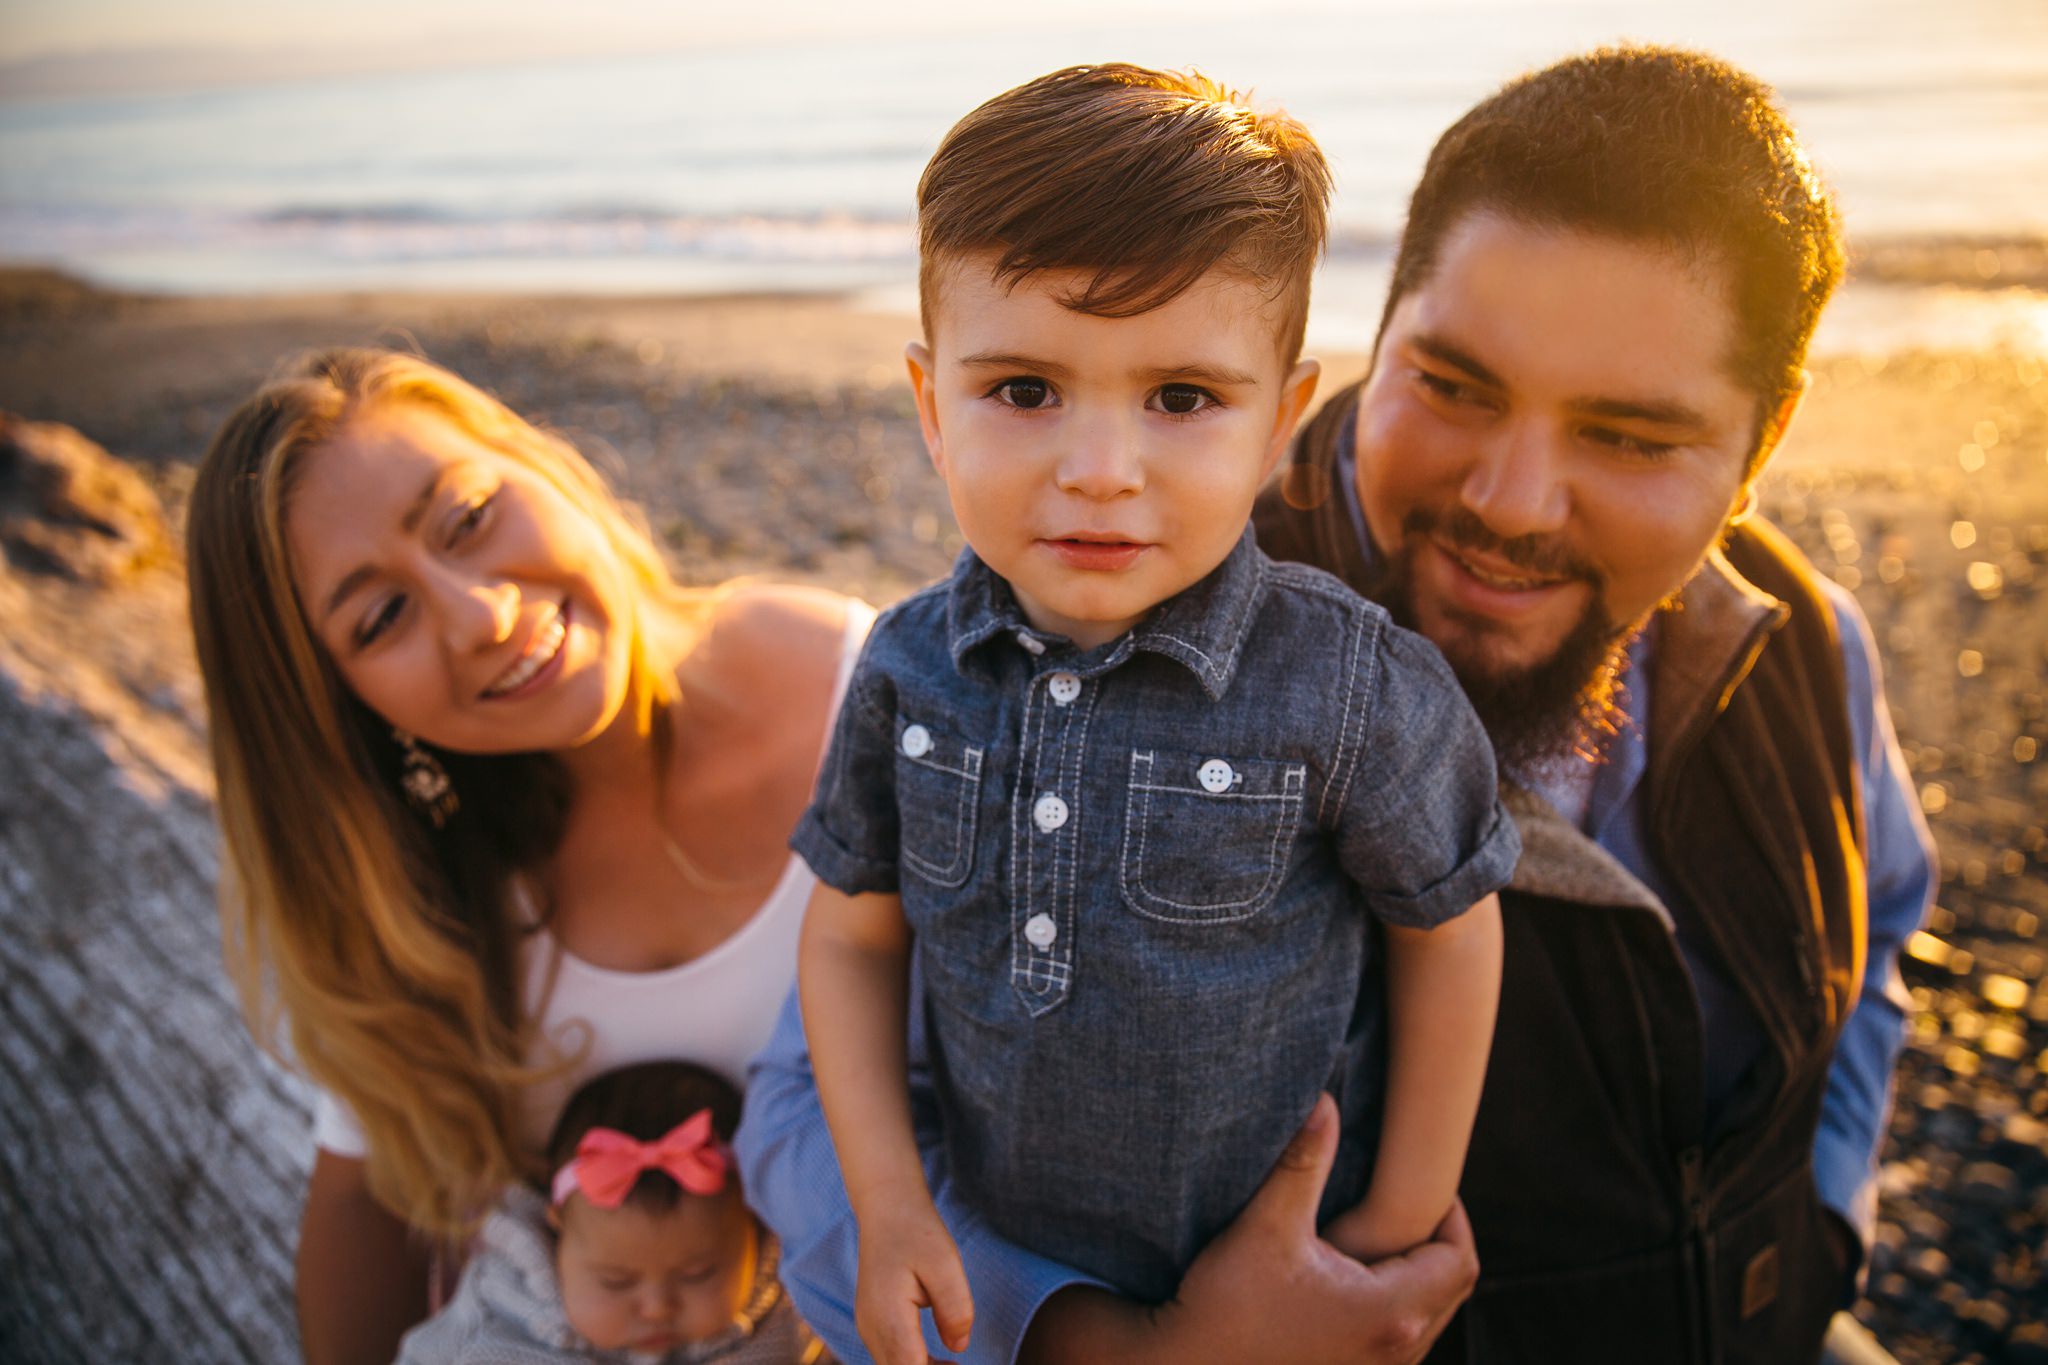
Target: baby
{"x": 641, "y": 1251}
{"x": 1170, "y": 828}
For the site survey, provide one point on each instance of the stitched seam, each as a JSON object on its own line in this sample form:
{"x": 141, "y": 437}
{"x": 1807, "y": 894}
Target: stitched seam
{"x": 1021, "y": 852}
{"x": 1067, "y": 918}
{"x": 1293, "y": 779}
{"x": 1046, "y": 972}
{"x": 969, "y": 789}
{"x": 1351, "y": 754}
{"x": 1136, "y": 820}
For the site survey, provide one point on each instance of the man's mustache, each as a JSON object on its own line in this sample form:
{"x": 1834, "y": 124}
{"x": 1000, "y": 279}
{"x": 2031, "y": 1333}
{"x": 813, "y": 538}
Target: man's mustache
{"x": 1545, "y": 556}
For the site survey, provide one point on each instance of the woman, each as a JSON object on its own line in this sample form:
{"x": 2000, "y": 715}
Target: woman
{"x": 504, "y": 806}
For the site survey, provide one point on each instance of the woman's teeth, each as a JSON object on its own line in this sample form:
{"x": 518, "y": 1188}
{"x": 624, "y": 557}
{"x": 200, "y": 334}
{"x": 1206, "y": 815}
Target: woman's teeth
{"x": 547, "y": 642}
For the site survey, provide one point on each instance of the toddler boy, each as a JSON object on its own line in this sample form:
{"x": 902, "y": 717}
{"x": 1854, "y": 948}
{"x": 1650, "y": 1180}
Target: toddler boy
{"x": 1122, "y": 783}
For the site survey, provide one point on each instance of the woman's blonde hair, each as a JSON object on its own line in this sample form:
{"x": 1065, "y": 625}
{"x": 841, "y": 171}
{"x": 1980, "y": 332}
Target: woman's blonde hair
{"x": 386, "y": 944}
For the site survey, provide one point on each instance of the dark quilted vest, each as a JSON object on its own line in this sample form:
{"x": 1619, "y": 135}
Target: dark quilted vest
{"x": 1607, "y": 1229}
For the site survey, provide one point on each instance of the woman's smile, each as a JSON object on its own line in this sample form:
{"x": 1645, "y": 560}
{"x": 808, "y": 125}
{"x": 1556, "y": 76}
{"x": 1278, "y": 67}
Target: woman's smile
{"x": 536, "y": 665}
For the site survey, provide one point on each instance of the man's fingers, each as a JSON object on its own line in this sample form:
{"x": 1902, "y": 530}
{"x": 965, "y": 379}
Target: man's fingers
{"x": 1291, "y": 1193}
{"x": 945, "y": 1286}
{"x": 1438, "y": 1275}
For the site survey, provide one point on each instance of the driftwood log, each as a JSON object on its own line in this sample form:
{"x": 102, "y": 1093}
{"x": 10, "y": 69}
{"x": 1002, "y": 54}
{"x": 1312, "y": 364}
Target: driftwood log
{"x": 152, "y": 1160}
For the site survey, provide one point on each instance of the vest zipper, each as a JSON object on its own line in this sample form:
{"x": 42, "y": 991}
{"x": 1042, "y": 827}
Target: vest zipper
{"x": 1699, "y": 1251}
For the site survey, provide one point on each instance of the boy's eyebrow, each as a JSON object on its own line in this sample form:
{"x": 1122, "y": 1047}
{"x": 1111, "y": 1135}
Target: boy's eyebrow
{"x": 1194, "y": 373}
{"x": 411, "y": 520}
{"x": 1199, "y": 374}
{"x": 1009, "y": 360}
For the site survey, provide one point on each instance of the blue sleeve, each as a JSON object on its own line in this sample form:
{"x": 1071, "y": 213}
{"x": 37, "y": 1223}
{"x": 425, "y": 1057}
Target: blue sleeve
{"x": 792, "y": 1180}
{"x": 1419, "y": 821}
{"x": 848, "y": 835}
{"x": 1900, "y": 871}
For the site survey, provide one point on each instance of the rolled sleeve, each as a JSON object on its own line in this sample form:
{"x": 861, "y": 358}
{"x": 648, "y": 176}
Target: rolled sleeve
{"x": 1422, "y": 830}
{"x": 1900, "y": 866}
{"x": 792, "y": 1180}
{"x": 849, "y": 834}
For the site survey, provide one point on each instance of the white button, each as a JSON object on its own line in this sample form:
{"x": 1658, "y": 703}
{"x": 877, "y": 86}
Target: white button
{"x": 917, "y": 741}
{"x": 1030, "y": 646}
{"x": 1050, "y": 812}
{"x": 1064, "y": 688}
{"x": 1040, "y": 931}
{"x": 1216, "y": 775}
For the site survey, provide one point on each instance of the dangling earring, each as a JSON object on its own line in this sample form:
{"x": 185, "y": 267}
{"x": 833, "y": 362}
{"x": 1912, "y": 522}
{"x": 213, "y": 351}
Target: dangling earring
{"x": 425, "y": 782}
{"x": 1748, "y": 508}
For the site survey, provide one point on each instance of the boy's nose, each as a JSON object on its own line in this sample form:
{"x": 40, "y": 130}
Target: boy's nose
{"x": 1102, "y": 462}
{"x": 1517, "y": 483}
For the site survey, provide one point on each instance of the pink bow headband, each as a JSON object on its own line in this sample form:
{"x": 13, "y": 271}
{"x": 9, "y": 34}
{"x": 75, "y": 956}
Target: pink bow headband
{"x": 607, "y": 1162}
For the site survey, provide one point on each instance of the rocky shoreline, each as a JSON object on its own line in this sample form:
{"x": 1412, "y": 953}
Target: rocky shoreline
{"x": 776, "y": 437}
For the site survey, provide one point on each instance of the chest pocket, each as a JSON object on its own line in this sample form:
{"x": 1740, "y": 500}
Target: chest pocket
{"x": 938, "y": 789}
{"x": 1207, "y": 838}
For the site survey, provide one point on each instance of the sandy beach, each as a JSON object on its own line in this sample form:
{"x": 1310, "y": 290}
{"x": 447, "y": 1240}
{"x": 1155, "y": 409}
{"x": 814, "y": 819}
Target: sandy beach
{"x": 775, "y": 436}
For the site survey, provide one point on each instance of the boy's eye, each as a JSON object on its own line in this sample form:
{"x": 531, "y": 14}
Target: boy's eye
{"x": 381, "y": 618}
{"x": 1184, "y": 400}
{"x": 1026, "y": 393}
{"x": 612, "y": 1285}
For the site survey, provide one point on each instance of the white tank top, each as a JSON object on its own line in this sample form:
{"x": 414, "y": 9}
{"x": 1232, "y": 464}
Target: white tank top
{"x": 717, "y": 1009}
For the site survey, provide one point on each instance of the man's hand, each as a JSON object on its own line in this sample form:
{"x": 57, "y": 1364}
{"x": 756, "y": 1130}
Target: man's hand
{"x": 1269, "y": 1289}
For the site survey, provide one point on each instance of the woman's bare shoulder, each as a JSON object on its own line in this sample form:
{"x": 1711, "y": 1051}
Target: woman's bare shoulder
{"x": 782, "y": 638}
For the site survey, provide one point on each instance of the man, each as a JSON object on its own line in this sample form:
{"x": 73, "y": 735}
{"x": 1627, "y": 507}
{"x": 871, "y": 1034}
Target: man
{"x": 1592, "y": 343}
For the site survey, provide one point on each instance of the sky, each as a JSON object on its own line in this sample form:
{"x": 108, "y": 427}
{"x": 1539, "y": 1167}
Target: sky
{"x": 102, "y": 46}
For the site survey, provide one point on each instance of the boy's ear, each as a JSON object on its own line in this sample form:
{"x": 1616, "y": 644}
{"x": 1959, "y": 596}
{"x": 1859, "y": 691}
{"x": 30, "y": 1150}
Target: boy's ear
{"x": 917, "y": 358}
{"x": 1296, "y": 392}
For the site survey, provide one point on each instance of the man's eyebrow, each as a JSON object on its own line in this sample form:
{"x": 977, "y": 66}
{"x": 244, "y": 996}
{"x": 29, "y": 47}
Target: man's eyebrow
{"x": 355, "y": 578}
{"x": 1436, "y": 348}
{"x": 1008, "y": 360}
{"x": 1658, "y": 412}
{"x": 1662, "y": 412}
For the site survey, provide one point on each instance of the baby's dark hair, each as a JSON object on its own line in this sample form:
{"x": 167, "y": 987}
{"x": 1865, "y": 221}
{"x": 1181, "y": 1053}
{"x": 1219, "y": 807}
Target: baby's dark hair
{"x": 644, "y": 1102}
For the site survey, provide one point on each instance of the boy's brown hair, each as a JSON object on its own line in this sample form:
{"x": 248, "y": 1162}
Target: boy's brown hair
{"x": 1148, "y": 179}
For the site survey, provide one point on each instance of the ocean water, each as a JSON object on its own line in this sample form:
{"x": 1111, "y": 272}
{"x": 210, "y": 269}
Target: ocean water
{"x": 786, "y": 166}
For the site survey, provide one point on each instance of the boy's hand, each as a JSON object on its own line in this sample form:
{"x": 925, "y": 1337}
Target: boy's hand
{"x": 907, "y": 1262}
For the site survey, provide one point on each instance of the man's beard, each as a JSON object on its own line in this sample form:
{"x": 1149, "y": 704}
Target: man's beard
{"x": 1536, "y": 714}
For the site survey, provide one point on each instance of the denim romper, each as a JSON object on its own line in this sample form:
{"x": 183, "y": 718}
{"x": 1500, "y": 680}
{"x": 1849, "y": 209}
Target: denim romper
{"x": 1138, "y": 878}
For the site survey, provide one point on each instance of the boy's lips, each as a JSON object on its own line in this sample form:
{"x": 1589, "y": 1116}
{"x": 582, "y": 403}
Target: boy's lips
{"x": 1086, "y": 550}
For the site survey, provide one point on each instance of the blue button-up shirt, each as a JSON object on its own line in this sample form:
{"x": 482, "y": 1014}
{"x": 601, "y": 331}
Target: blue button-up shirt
{"x": 1139, "y": 880}
{"x": 792, "y": 1176}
